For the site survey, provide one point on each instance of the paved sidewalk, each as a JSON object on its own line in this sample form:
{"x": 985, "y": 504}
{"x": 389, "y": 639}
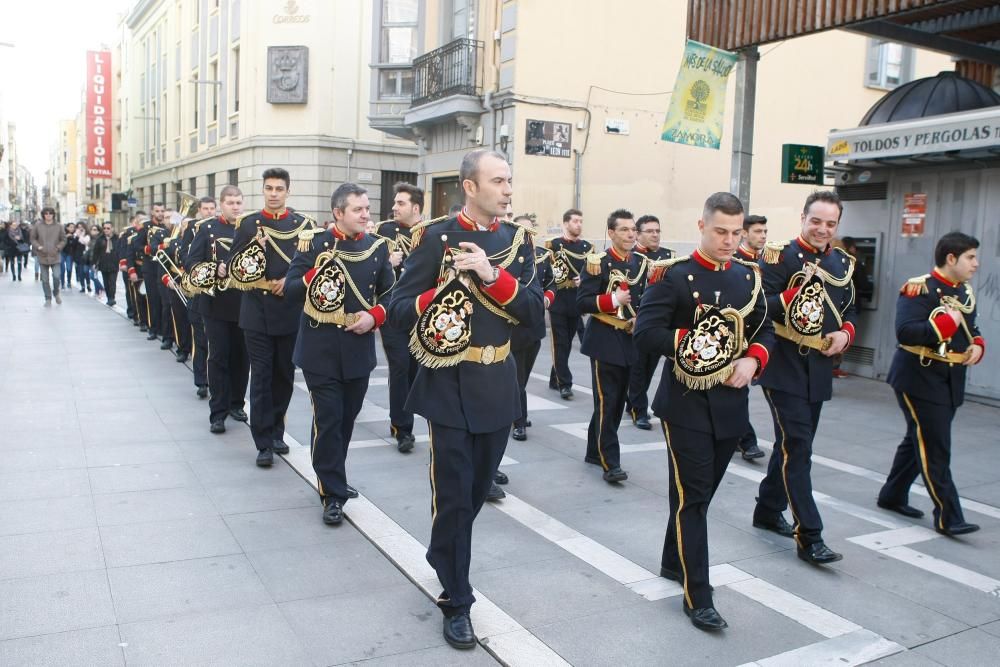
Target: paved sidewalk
{"x": 130, "y": 534}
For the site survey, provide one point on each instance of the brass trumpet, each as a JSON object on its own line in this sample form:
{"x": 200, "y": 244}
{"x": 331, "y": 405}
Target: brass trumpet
{"x": 174, "y": 273}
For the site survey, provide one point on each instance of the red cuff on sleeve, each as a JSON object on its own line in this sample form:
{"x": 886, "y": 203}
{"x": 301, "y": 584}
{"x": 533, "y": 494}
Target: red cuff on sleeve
{"x": 550, "y": 297}
{"x": 758, "y": 352}
{"x": 605, "y": 304}
{"x": 131, "y": 271}
{"x": 848, "y": 328}
{"x": 122, "y": 263}
{"x": 147, "y": 250}
{"x": 378, "y": 312}
{"x": 678, "y": 334}
{"x": 310, "y": 274}
{"x": 788, "y": 295}
{"x": 944, "y": 326}
{"x": 504, "y": 289}
{"x": 424, "y": 300}
{"x": 165, "y": 280}
{"x": 981, "y": 342}
{"x": 162, "y": 246}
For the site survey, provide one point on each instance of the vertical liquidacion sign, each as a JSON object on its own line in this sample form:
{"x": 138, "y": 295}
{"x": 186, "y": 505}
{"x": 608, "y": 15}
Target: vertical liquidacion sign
{"x": 99, "y": 114}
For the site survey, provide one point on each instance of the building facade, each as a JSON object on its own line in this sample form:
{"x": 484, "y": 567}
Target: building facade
{"x": 214, "y": 92}
{"x": 63, "y": 174}
{"x": 575, "y": 93}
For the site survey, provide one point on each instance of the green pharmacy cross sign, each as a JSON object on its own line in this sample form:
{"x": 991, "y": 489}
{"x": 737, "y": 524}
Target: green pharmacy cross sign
{"x": 801, "y": 164}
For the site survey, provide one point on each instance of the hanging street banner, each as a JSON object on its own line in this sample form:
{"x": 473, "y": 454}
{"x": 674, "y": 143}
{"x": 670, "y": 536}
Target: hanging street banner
{"x": 698, "y": 103}
{"x": 98, "y": 116}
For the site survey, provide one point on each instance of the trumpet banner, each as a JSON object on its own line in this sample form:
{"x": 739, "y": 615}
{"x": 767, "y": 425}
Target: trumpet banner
{"x": 698, "y": 103}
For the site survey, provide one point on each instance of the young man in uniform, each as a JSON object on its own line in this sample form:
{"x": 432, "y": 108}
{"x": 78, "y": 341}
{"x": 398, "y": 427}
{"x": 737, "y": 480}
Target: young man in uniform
{"x": 263, "y": 248}
{"x": 467, "y": 283}
{"x": 199, "y": 340}
{"x": 342, "y": 278}
{"x": 407, "y": 208}
{"x": 135, "y": 310}
{"x": 749, "y": 249}
{"x": 701, "y": 312}
{"x": 610, "y": 291}
{"x": 938, "y": 341}
{"x": 140, "y": 268}
{"x": 810, "y": 299}
{"x": 228, "y": 368}
{"x": 648, "y": 245}
{"x": 569, "y": 253}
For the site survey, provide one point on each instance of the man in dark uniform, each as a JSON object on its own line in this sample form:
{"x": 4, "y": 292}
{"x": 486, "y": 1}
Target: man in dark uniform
{"x": 692, "y": 313}
{"x": 569, "y": 253}
{"x": 199, "y": 341}
{"x": 938, "y": 341}
{"x": 526, "y": 339}
{"x": 810, "y": 299}
{"x": 407, "y": 207}
{"x": 136, "y": 311}
{"x": 610, "y": 290}
{"x": 749, "y": 249}
{"x": 262, "y": 250}
{"x": 642, "y": 372}
{"x": 140, "y": 268}
{"x": 157, "y": 240}
{"x": 178, "y": 310}
{"x": 462, "y": 298}
{"x": 341, "y": 277}
{"x": 227, "y": 363}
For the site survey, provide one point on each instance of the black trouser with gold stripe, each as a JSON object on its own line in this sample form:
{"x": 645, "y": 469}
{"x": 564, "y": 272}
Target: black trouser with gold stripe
{"x": 130, "y": 309}
{"x": 698, "y": 462}
{"x": 525, "y": 359}
{"x": 336, "y": 404}
{"x": 271, "y": 384}
{"x": 610, "y": 386}
{"x": 564, "y": 327}
{"x": 925, "y": 451}
{"x": 462, "y": 468}
{"x": 402, "y": 371}
{"x": 639, "y": 380}
{"x": 167, "y": 324}
{"x": 199, "y": 345}
{"x": 153, "y": 309}
{"x": 788, "y": 482}
{"x": 228, "y": 367}
{"x": 182, "y": 326}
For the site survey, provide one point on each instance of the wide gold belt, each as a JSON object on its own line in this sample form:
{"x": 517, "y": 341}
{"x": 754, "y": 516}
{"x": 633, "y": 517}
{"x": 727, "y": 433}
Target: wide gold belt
{"x": 487, "y": 354}
{"x": 815, "y": 341}
{"x": 262, "y": 284}
{"x": 567, "y": 284}
{"x": 612, "y": 321}
{"x": 925, "y": 352}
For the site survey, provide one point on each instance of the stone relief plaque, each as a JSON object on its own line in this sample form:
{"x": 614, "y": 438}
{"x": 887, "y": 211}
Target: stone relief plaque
{"x": 287, "y": 74}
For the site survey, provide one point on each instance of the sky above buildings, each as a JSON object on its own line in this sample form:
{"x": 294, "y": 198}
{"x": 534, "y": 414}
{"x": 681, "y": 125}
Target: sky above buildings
{"x": 42, "y": 76}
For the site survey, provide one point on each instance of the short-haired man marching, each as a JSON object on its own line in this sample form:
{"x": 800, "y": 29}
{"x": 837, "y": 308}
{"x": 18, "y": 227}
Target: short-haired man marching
{"x": 569, "y": 253}
{"x": 810, "y": 299}
{"x": 708, "y": 316}
{"x": 467, "y": 283}
{"x": 938, "y": 341}
{"x": 749, "y": 249}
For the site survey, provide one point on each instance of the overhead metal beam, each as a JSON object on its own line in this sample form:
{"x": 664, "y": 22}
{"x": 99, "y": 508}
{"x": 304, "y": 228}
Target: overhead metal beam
{"x": 894, "y": 32}
{"x": 976, "y": 18}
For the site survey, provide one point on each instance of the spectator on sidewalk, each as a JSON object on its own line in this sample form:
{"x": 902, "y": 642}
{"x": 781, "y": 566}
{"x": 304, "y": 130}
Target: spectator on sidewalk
{"x": 106, "y": 260}
{"x": 80, "y": 249}
{"x": 66, "y": 256}
{"x": 48, "y": 240}
{"x": 12, "y": 241}
{"x": 94, "y": 274}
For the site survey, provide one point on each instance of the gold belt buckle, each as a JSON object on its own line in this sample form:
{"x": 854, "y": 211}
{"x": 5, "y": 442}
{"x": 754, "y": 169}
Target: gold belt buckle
{"x": 350, "y": 319}
{"x": 488, "y": 355}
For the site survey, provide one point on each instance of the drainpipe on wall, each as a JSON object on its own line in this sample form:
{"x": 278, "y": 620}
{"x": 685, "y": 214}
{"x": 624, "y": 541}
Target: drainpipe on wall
{"x": 577, "y": 167}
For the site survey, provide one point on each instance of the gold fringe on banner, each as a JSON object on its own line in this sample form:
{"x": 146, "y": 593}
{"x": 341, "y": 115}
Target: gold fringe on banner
{"x": 704, "y": 382}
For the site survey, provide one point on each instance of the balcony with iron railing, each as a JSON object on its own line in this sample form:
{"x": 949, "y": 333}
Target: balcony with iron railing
{"x": 453, "y": 69}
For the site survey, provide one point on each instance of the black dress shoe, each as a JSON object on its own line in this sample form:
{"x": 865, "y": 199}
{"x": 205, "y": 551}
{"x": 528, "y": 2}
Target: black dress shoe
{"x": 706, "y": 618}
{"x": 151, "y": 336}
{"x": 614, "y": 475}
{"x": 181, "y": 357}
{"x": 238, "y": 414}
{"x": 752, "y": 452}
{"x": 901, "y": 508}
{"x": 265, "y": 457}
{"x": 566, "y": 394}
{"x": 667, "y": 573}
{"x": 818, "y": 554}
{"x": 963, "y": 528}
{"x": 351, "y": 491}
{"x": 218, "y": 427}
{"x": 642, "y": 422}
{"x": 458, "y": 631}
{"x": 166, "y": 345}
{"x": 333, "y": 512}
{"x": 519, "y": 434}
{"x": 203, "y": 391}
{"x": 279, "y": 447}
{"x": 777, "y": 525}
{"x": 500, "y": 477}
{"x": 528, "y": 423}
{"x": 592, "y": 459}
{"x": 405, "y": 442}
{"x": 496, "y": 493}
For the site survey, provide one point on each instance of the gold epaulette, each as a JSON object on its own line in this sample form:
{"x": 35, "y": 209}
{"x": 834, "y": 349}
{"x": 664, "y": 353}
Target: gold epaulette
{"x": 772, "y": 251}
{"x": 518, "y": 225}
{"x": 548, "y": 243}
{"x": 658, "y": 268}
{"x": 594, "y": 263}
{"x": 417, "y": 232}
{"x": 240, "y": 219}
{"x": 846, "y": 254}
{"x": 305, "y": 240}
{"x": 915, "y": 286}
{"x": 747, "y": 263}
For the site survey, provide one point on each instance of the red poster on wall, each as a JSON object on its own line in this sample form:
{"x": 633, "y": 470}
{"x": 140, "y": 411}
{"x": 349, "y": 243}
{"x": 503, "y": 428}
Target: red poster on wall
{"x": 98, "y": 117}
{"x": 914, "y": 213}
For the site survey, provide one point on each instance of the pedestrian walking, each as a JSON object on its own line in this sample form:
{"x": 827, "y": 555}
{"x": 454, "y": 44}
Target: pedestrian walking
{"x": 66, "y": 256}
{"x": 569, "y": 253}
{"x": 105, "y": 260}
{"x": 48, "y": 238}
